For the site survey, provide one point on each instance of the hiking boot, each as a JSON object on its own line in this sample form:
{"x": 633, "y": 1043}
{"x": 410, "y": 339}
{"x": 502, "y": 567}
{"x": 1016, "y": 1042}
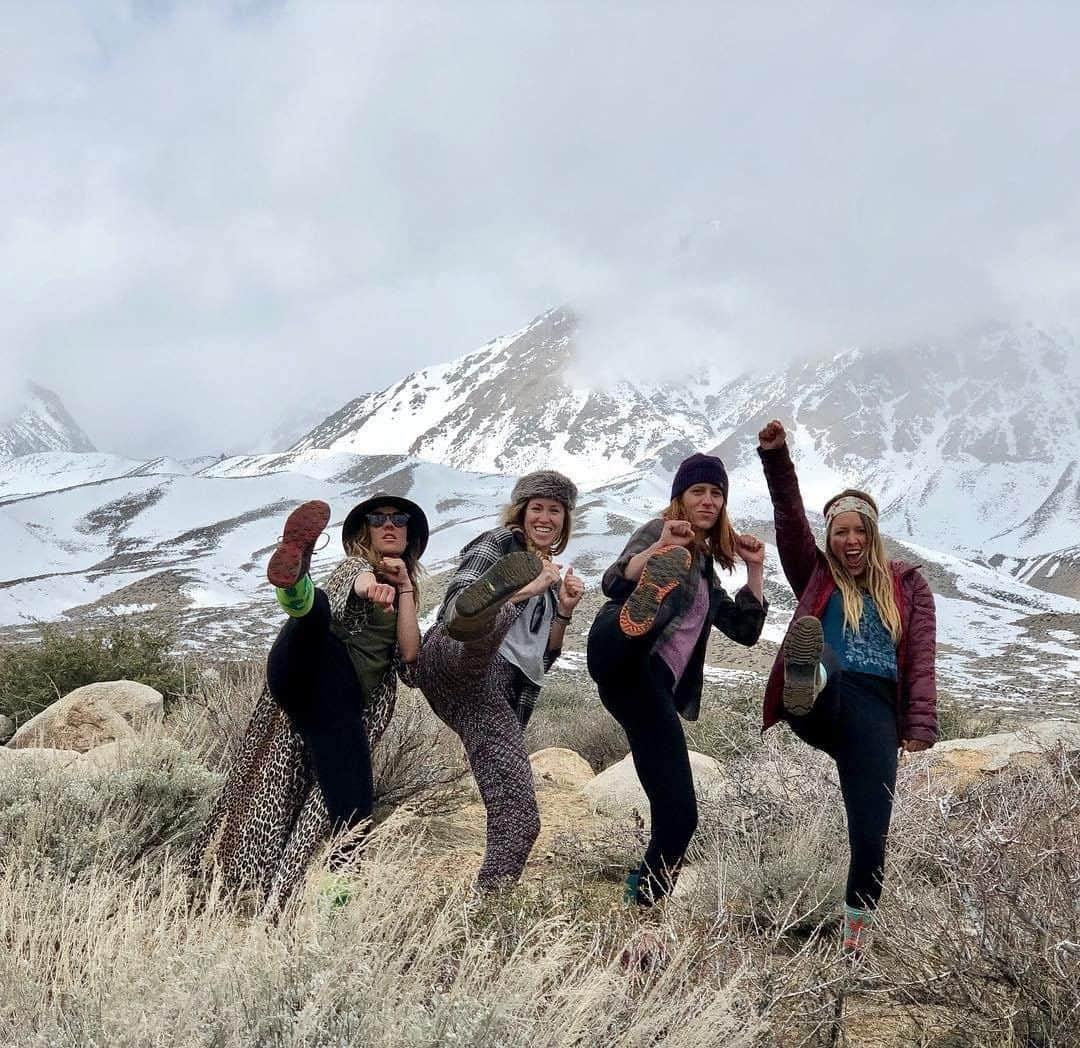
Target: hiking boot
{"x": 477, "y": 604}
{"x": 802, "y": 650}
{"x": 662, "y": 575}
{"x": 291, "y": 561}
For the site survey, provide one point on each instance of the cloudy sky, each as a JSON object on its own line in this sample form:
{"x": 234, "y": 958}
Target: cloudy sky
{"x": 217, "y": 215}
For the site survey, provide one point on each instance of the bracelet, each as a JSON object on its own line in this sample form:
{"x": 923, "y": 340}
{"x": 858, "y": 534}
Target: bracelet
{"x": 559, "y": 617}
{"x": 409, "y": 590}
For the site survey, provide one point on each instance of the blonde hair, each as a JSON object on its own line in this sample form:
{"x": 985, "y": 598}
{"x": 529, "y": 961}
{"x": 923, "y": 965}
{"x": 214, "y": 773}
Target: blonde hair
{"x": 360, "y": 545}
{"x": 719, "y": 540}
{"x": 878, "y": 581}
{"x": 513, "y": 517}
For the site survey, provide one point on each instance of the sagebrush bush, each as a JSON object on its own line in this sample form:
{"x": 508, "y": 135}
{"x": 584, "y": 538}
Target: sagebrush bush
{"x": 569, "y": 714}
{"x": 34, "y": 674}
{"x": 418, "y": 762}
{"x": 71, "y": 824}
{"x": 960, "y": 720}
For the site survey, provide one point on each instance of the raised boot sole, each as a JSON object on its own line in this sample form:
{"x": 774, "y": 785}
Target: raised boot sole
{"x": 663, "y": 572}
{"x": 476, "y": 605}
{"x": 292, "y": 558}
{"x": 802, "y": 655}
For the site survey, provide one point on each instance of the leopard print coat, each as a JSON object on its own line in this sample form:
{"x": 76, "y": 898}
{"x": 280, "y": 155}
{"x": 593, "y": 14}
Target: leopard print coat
{"x": 270, "y": 819}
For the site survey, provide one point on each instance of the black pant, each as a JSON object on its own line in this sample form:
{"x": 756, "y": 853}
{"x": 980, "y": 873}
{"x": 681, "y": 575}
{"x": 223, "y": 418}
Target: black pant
{"x": 854, "y": 722}
{"x": 637, "y": 689}
{"x": 311, "y": 676}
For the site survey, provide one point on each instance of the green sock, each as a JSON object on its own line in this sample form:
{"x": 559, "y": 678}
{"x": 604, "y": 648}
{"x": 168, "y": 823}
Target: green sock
{"x": 857, "y": 926}
{"x": 297, "y": 600}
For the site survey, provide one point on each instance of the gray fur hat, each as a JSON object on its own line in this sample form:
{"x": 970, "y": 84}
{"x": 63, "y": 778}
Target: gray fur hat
{"x": 545, "y": 484}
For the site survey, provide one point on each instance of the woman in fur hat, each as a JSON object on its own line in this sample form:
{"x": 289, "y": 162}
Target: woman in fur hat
{"x": 855, "y": 674}
{"x": 482, "y": 664}
{"x": 303, "y": 772}
{"x": 646, "y": 649}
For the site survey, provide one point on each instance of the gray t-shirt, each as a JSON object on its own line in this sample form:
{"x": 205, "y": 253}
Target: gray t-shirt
{"x": 526, "y": 641}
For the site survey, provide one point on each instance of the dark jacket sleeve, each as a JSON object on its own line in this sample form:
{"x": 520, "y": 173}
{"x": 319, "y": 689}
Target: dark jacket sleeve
{"x": 794, "y": 539}
{"x": 741, "y": 618}
{"x": 919, "y": 719}
{"x": 616, "y": 585}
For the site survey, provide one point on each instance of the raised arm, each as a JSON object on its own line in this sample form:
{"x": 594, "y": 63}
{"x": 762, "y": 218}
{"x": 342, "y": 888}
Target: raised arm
{"x": 741, "y": 618}
{"x": 794, "y": 539}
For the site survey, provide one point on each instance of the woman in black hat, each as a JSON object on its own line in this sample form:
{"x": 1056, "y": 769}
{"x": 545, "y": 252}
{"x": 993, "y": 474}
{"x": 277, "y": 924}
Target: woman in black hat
{"x": 498, "y": 632}
{"x": 304, "y": 769}
{"x": 646, "y": 648}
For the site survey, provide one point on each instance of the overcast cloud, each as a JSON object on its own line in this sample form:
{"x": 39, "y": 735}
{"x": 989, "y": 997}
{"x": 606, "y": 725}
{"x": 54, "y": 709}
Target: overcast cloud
{"x": 217, "y": 213}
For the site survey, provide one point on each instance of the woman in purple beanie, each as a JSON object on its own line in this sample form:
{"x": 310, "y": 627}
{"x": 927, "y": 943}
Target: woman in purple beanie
{"x": 646, "y": 648}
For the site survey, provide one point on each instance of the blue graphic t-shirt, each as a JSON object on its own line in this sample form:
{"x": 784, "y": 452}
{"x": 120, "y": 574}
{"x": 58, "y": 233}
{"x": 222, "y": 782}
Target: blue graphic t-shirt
{"x": 870, "y": 650}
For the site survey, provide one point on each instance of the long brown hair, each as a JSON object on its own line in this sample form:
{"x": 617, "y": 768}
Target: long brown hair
{"x": 719, "y": 540}
{"x": 878, "y": 581}
{"x": 361, "y": 545}
{"x": 513, "y": 517}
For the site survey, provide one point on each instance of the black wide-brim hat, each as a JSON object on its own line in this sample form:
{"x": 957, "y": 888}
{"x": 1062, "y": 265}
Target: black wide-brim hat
{"x": 416, "y": 532}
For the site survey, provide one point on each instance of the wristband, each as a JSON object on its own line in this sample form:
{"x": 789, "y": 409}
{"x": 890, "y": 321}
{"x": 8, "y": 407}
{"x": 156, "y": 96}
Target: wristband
{"x": 559, "y": 617}
{"x": 409, "y": 590}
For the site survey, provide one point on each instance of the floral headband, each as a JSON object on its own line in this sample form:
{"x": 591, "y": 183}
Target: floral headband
{"x": 848, "y": 503}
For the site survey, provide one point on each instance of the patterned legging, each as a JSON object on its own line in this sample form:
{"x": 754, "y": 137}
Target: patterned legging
{"x": 471, "y": 687}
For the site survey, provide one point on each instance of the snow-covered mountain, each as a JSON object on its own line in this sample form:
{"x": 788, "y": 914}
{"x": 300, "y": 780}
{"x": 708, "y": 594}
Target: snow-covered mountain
{"x": 970, "y": 450}
{"x": 40, "y": 423}
{"x": 509, "y": 407}
{"x": 969, "y": 446}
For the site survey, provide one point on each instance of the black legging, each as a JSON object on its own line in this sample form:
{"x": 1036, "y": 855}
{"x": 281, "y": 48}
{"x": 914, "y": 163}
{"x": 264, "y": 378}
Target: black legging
{"x": 854, "y": 722}
{"x": 637, "y": 689}
{"x": 310, "y": 674}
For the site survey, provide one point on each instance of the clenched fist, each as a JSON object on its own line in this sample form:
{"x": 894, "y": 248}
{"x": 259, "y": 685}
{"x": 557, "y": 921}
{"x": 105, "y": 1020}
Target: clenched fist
{"x": 676, "y": 533}
{"x": 751, "y": 550}
{"x": 772, "y": 435}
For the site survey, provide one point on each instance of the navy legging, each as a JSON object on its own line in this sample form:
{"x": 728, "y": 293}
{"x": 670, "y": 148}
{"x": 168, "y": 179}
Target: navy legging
{"x": 637, "y": 689}
{"x": 311, "y": 676}
{"x": 854, "y": 722}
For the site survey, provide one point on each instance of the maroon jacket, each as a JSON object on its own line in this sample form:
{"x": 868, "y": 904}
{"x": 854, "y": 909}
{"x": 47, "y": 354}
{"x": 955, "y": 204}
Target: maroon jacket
{"x": 808, "y": 573}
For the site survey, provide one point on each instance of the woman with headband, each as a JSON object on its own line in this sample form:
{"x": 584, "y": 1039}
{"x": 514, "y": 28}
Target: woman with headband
{"x": 855, "y": 674}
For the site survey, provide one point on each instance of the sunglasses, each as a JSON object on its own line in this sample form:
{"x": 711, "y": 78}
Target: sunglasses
{"x": 377, "y": 520}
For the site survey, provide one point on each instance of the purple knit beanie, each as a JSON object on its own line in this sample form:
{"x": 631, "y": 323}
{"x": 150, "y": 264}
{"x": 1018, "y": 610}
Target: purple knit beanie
{"x": 699, "y": 469}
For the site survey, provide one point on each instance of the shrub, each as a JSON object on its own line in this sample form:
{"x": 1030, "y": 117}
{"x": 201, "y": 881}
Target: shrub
{"x": 418, "y": 761}
{"x": 983, "y": 916}
{"x": 957, "y": 720}
{"x": 35, "y": 674}
{"x": 71, "y": 823}
{"x": 569, "y": 714}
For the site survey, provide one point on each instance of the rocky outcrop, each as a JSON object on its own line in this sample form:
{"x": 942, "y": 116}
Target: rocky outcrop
{"x": 962, "y": 761}
{"x": 616, "y": 791}
{"x": 90, "y": 716}
{"x": 560, "y": 767}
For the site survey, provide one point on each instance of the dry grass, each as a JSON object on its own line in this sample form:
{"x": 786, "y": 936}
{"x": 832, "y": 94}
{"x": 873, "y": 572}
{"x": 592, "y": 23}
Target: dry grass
{"x": 104, "y": 941}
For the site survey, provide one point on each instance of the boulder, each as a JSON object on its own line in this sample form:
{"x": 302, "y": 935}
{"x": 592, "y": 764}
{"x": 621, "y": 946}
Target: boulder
{"x": 965, "y": 760}
{"x": 560, "y": 767}
{"x": 110, "y": 756}
{"x": 88, "y": 717}
{"x": 7, "y": 728}
{"x": 616, "y": 791}
{"x": 139, "y": 704}
{"x": 39, "y": 759}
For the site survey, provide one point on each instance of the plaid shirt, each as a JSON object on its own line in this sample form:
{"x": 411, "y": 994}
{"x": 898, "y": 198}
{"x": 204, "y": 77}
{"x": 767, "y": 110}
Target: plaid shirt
{"x": 476, "y": 558}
